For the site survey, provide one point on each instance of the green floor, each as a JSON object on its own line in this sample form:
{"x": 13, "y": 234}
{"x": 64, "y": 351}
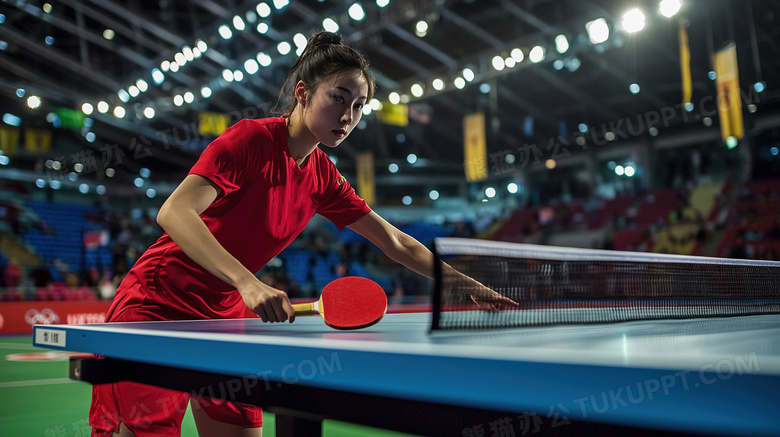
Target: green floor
{"x": 37, "y": 400}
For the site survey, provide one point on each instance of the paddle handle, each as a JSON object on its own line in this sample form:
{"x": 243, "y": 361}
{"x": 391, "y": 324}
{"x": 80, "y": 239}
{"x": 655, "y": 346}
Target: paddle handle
{"x": 305, "y": 309}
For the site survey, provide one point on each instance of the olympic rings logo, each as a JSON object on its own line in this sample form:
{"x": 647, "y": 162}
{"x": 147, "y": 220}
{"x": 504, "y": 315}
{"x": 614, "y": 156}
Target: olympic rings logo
{"x": 45, "y": 317}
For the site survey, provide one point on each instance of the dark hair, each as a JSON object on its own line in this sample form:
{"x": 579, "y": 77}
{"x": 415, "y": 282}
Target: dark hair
{"x": 325, "y": 55}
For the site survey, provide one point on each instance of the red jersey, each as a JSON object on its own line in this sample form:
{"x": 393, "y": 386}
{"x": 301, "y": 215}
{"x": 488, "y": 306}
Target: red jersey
{"x": 265, "y": 201}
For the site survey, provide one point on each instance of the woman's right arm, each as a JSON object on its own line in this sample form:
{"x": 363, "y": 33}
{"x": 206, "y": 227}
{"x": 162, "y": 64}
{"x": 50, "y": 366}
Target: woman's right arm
{"x": 180, "y": 218}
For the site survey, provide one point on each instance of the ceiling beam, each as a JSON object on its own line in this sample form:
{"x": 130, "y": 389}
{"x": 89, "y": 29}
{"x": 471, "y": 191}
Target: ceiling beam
{"x": 472, "y": 28}
{"x": 422, "y": 45}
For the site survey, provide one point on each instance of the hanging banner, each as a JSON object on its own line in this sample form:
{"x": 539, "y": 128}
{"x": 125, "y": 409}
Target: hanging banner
{"x": 365, "y": 177}
{"x": 728, "y": 97}
{"x": 685, "y": 64}
{"x": 37, "y": 141}
{"x": 212, "y": 123}
{"x": 394, "y": 114}
{"x": 475, "y": 147}
{"x": 9, "y": 140}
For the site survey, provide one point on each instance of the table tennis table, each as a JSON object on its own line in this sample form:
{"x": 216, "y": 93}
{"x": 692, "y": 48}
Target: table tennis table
{"x": 713, "y": 376}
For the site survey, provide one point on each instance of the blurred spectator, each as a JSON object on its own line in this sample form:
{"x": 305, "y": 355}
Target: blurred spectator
{"x": 13, "y": 275}
{"x": 40, "y": 277}
{"x": 739, "y": 250}
{"x": 107, "y": 285}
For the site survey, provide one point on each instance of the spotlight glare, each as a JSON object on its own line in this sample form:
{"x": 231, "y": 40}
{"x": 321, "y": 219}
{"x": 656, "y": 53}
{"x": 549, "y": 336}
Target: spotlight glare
{"x": 633, "y": 21}
{"x": 669, "y": 7}
{"x": 33, "y": 102}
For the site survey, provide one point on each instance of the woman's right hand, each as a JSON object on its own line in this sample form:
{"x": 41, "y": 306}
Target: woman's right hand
{"x": 270, "y": 304}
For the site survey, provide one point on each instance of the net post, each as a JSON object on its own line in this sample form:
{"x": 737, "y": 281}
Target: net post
{"x": 437, "y": 288}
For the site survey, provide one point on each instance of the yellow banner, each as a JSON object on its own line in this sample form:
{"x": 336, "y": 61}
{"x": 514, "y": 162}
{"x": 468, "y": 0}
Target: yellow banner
{"x": 728, "y": 97}
{"x": 9, "y": 140}
{"x": 37, "y": 141}
{"x": 474, "y": 147}
{"x": 396, "y": 115}
{"x": 365, "y": 177}
{"x": 212, "y": 123}
{"x": 685, "y": 63}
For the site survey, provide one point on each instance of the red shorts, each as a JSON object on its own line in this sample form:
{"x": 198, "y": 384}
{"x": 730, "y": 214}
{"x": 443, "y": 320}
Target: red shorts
{"x": 148, "y": 410}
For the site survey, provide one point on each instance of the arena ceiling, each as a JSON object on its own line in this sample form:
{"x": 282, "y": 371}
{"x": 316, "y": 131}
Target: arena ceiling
{"x": 60, "y": 51}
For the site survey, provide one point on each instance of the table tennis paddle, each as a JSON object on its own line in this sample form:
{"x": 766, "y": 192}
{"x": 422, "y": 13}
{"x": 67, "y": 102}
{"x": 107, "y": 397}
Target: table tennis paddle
{"x": 350, "y": 302}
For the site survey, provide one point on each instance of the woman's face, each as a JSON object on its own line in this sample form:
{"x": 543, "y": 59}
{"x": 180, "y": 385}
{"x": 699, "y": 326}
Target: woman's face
{"x": 335, "y": 108}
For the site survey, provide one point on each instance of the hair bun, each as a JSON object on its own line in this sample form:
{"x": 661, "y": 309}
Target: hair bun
{"x": 324, "y": 38}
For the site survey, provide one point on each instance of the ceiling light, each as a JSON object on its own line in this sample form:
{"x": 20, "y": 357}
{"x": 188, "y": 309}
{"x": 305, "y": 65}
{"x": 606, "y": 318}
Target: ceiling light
{"x": 394, "y": 98}
{"x": 517, "y": 55}
{"x": 438, "y": 84}
{"x": 283, "y": 47}
{"x": 225, "y": 32}
{"x": 87, "y": 108}
{"x": 102, "y": 107}
{"x": 598, "y": 30}
{"x": 142, "y": 85}
{"x": 263, "y": 59}
{"x": 187, "y": 52}
{"x": 123, "y": 95}
{"x": 299, "y": 40}
{"x": 498, "y": 63}
{"x": 459, "y": 83}
{"x": 633, "y": 21}
{"x": 119, "y": 112}
{"x": 356, "y": 12}
{"x": 263, "y": 9}
{"x": 536, "y": 54}
{"x": 421, "y": 28}
{"x": 417, "y": 90}
{"x": 561, "y": 44}
{"x": 238, "y": 23}
{"x": 670, "y": 7}
{"x": 205, "y": 92}
{"x": 157, "y": 76}
{"x": 251, "y": 67}
{"x": 330, "y": 25}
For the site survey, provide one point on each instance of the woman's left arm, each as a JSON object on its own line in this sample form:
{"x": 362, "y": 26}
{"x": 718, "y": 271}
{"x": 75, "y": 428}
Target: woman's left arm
{"x": 405, "y": 250}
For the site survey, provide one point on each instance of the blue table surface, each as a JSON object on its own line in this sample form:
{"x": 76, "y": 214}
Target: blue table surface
{"x": 715, "y": 375}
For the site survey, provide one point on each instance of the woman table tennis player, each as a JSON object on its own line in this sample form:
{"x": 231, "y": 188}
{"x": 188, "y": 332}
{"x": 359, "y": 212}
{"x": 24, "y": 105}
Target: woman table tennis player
{"x": 250, "y": 194}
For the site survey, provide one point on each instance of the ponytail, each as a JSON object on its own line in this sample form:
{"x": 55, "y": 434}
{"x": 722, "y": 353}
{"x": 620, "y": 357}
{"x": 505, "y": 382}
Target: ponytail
{"x": 325, "y": 56}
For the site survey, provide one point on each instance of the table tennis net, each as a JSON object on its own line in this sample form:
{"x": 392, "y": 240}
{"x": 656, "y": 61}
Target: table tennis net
{"x": 556, "y": 285}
